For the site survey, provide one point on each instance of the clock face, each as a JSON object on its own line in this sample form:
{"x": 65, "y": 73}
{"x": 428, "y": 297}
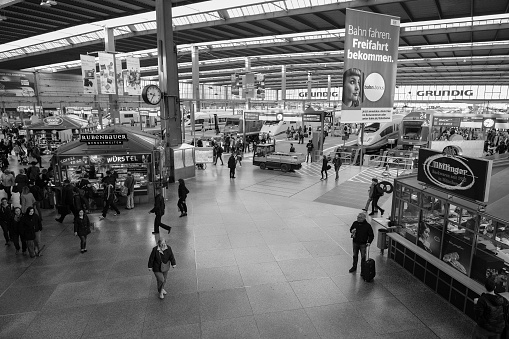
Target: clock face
{"x": 151, "y": 94}
{"x": 279, "y": 117}
{"x": 488, "y": 123}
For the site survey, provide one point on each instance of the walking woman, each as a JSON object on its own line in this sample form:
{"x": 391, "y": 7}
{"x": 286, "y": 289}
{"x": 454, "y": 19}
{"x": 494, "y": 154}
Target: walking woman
{"x": 31, "y": 228}
{"x": 27, "y": 199}
{"x": 159, "y": 262}
{"x": 82, "y": 229}
{"x": 181, "y": 204}
{"x": 325, "y": 167}
{"x": 15, "y": 232}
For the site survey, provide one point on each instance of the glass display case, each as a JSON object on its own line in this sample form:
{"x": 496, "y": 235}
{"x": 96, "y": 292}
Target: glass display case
{"x": 475, "y": 244}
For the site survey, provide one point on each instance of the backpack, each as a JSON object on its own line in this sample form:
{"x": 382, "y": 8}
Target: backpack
{"x": 379, "y": 191}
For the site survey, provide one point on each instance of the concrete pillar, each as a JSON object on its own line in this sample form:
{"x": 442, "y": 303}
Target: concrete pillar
{"x": 109, "y": 47}
{"x": 309, "y": 85}
{"x": 196, "y": 85}
{"x": 283, "y": 85}
{"x": 168, "y": 75}
{"x": 248, "y": 70}
{"x": 329, "y": 83}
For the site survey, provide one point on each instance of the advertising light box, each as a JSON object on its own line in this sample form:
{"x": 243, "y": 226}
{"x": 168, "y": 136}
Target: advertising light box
{"x": 463, "y": 176}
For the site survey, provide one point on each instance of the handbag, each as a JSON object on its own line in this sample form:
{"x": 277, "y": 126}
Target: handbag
{"x": 328, "y": 167}
{"x": 164, "y": 267}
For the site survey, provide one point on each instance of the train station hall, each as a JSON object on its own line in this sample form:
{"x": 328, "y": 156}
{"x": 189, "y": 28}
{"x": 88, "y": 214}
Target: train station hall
{"x": 258, "y": 169}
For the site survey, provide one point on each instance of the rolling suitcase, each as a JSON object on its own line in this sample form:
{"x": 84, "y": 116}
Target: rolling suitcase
{"x": 368, "y": 270}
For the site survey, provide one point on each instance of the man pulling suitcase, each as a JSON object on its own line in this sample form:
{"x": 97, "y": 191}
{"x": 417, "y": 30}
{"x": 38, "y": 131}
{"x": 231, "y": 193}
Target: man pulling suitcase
{"x": 362, "y": 236}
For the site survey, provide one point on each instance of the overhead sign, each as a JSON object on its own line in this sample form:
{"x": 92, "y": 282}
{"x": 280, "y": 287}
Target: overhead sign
{"x": 53, "y": 121}
{"x": 128, "y": 159}
{"x": 447, "y": 122}
{"x": 463, "y": 176}
{"x": 251, "y": 116}
{"x": 248, "y": 83}
{"x": 318, "y": 94}
{"x": 73, "y": 161}
{"x": 311, "y": 117}
{"x": 369, "y": 76}
{"x": 88, "y": 74}
{"x": 236, "y": 84}
{"x": 103, "y": 139}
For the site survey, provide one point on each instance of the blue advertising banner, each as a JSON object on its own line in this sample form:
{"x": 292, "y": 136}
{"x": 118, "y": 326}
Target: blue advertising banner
{"x": 369, "y": 76}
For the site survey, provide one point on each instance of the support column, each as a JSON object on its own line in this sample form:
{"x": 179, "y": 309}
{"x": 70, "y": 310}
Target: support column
{"x": 196, "y": 86}
{"x": 283, "y": 85}
{"x": 248, "y": 69}
{"x": 309, "y": 85}
{"x": 329, "y": 83}
{"x": 109, "y": 47}
{"x": 168, "y": 76}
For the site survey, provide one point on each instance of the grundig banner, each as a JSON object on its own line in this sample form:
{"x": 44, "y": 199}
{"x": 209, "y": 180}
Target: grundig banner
{"x": 369, "y": 76}
{"x": 466, "y": 177}
{"x": 103, "y": 139}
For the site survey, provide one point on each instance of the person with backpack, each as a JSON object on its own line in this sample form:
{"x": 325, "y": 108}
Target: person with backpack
{"x": 219, "y": 154}
{"x": 309, "y": 147}
{"x": 109, "y": 200}
{"x": 376, "y": 193}
{"x": 33, "y": 171}
{"x": 489, "y": 312}
{"x": 36, "y": 152}
{"x": 325, "y": 167}
{"x": 182, "y": 193}
{"x": 66, "y": 201}
{"x": 159, "y": 207}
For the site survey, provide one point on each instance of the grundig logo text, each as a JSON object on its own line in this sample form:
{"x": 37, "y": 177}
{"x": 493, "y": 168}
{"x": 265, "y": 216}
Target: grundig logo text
{"x": 446, "y": 93}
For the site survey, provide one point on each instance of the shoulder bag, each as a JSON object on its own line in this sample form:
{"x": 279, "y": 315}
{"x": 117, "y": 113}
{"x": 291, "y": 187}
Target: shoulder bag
{"x": 164, "y": 267}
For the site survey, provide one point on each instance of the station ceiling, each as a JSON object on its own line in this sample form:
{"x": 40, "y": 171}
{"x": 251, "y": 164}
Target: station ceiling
{"x": 441, "y": 41}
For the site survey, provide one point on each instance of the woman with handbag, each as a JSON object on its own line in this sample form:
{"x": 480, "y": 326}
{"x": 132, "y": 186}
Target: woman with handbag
{"x": 82, "y": 229}
{"x": 159, "y": 262}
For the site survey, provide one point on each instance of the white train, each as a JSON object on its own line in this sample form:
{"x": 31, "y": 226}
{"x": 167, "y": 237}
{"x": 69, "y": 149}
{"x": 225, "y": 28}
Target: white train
{"x": 207, "y": 120}
{"x": 377, "y": 135}
{"x": 291, "y": 119}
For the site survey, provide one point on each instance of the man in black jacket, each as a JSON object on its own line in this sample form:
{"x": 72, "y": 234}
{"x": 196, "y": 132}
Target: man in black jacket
{"x": 362, "y": 236}
{"x": 489, "y": 312}
{"x": 232, "y": 165}
{"x": 159, "y": 207}
{"x": 6, "y": 215}
{"x": 67, "y": 203}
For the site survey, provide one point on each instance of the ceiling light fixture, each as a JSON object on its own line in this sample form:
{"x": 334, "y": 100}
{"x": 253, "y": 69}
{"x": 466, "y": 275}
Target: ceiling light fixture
{"x": 48, "y": 3}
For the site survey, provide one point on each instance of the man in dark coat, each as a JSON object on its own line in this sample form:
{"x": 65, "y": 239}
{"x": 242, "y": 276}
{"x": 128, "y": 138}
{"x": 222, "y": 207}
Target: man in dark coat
{"x": 232, "y": 165}
{"x": 21, "y": 180}
{"x": 6, "y": 215}
{"x": 362, "y": 236}
{"x": 109, "y": 198}
{"x": 159, "y": 207}
{"x": 67, "y": 203}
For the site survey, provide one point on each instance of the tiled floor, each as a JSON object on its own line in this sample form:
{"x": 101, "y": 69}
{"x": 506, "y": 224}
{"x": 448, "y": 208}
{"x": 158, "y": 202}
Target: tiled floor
{"x": 249, "y": 265}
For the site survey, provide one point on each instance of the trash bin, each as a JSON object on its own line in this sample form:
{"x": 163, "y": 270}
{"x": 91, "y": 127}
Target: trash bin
{"x": 381, "y": 241}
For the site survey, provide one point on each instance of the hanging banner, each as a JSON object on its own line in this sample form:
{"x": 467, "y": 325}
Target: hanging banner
{"x": 132, "y": 77}
{"x": 17, "y": 84}
{"x": 248, "y": 85}
{"x": 259, "y": 86}
{"x": 107, "y": 73}
{"x": 369, "y": 76}
{"x": 88, "y": 74}
{"x": 236, "y": 84}
{"x": 119, "y": 77}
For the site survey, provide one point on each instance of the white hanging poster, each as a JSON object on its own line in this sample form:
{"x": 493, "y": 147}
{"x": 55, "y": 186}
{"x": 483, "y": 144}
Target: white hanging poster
{"x": 132, "y": 77}
{"x": 107, "y": 73}
{"x": 88, "y": 74}
{"x": 120, "y": 78}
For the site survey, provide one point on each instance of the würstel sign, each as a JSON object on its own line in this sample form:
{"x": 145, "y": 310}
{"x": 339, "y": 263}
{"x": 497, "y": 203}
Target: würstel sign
{"x": 466, "y": 177}
{"x": 104, "y": 139}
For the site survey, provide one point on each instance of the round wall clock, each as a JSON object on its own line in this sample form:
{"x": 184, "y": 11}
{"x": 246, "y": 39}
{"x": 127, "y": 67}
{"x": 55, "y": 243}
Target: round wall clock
{"x": 151, "y": 94}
